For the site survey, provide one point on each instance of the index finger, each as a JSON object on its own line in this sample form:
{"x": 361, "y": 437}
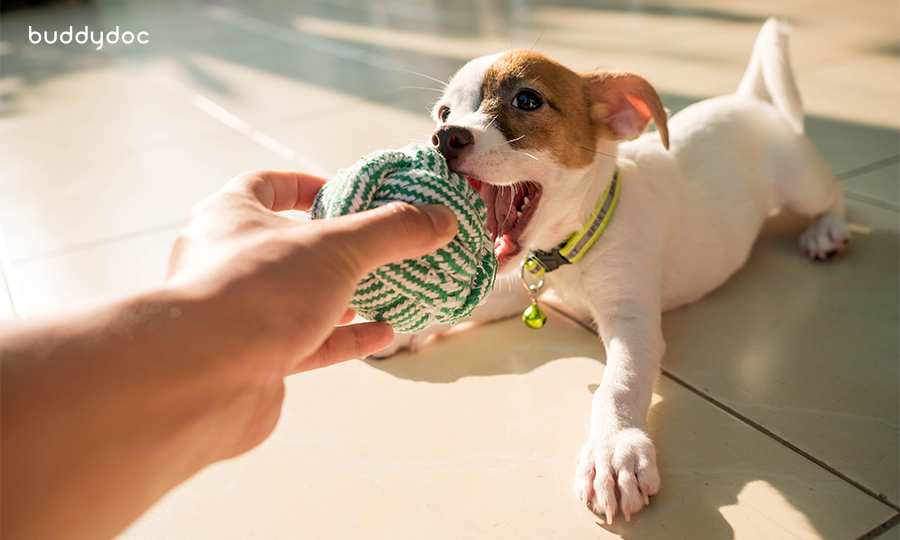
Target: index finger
{"x": 278, "y": 190}
{"x": 346, "y": 343}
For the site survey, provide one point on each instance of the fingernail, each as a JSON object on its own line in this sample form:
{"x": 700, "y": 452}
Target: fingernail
{"x": 444, "y": 219}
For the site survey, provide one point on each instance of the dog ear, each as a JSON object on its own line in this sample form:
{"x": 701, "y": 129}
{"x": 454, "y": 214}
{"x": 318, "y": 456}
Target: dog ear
{"x": 622, "y": 104}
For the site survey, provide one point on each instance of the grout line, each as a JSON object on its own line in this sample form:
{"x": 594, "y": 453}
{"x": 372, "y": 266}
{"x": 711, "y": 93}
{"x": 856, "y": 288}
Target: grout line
{"x": 212, "y": 109}
{"x": 233, "y": 121}
{"x": 782, "y": 440}
{"x": 875, "y": 201}
{"x": 387, "y": 98}
{"x": 11, "y": 284}
{"x": 881, "y": 529}
{"x": 765, "y": 431}
{"x": 880, "y": 164}
{"x": 101, "y": 242}
{"x": 217, "y": 112}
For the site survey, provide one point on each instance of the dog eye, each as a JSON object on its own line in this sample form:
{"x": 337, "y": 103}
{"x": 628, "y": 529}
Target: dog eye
{"x": 527, "y": 100}
{"x": 444, "y": 113}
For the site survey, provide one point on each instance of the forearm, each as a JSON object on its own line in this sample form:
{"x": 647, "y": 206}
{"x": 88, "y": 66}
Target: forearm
{"x": 634, "y": 349}
{"x": 102, "y": 414}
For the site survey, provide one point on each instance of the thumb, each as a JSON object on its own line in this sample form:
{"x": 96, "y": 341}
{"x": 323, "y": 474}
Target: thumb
{"x": 392, "y": 233}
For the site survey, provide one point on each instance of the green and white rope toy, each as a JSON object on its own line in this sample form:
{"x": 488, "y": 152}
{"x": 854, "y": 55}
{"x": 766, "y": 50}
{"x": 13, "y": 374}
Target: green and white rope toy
{"x": 443, "y": 286}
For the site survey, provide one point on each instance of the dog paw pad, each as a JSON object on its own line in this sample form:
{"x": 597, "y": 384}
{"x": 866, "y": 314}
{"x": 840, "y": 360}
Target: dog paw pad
{"x": 825, "y": 238}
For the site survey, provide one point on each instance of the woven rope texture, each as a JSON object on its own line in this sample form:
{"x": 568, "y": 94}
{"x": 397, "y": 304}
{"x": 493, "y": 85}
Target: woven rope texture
{"x": 443, "y": 286}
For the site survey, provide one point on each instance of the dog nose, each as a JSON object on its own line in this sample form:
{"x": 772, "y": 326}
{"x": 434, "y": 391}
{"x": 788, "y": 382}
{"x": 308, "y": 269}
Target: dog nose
{"x": 452, "y": 141}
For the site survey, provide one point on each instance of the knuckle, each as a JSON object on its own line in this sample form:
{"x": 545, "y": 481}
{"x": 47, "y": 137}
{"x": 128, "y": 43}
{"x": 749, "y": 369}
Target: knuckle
{"x": 202, "y": 206}
{"x": 251, "y": 184}
{"x": 356, "y": 347}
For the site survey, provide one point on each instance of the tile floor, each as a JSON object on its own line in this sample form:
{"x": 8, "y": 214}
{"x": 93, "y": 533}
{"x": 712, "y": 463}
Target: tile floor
{"x": 776, "y": 415}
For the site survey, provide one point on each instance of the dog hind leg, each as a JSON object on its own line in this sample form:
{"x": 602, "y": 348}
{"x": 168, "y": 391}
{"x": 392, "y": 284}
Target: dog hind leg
{"x": 827, "y": 235}
{"x": 803, "y": 182}
{"x": 808, "y": 187}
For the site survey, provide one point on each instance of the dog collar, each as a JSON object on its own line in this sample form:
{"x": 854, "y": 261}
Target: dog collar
{"x": 570, "y": 251}
{"x": 573, "y": 249}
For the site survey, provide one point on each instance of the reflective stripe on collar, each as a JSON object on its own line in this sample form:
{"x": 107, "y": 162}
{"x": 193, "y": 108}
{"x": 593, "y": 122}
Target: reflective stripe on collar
{"x": 573, "y": 249}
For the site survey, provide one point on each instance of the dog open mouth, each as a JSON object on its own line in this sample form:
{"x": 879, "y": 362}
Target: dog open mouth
{"x": 509, "y": 209}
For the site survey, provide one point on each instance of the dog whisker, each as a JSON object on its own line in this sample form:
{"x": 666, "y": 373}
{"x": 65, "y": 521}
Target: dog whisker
{"x": 508, "y": 211}
{"x": 440, "y": 82}
{"x": 596, "y": 152}
{"x": 538, "y": 39}
{"x": 405, "y": 141}
{"x": 421, "y": 88}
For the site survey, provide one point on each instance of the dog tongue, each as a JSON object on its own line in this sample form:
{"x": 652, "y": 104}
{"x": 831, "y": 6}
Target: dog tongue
{"x": 504, "y": 246}
{"x": 501, "y": 215}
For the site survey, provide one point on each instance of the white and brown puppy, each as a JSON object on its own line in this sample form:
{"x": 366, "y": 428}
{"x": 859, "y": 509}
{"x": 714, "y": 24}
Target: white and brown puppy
{"x": 543, "y": 143}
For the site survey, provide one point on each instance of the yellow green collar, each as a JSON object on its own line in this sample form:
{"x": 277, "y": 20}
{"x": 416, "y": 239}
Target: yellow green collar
{"x": 573, "y": 249}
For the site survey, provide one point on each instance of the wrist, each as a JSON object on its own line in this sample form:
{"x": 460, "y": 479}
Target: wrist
{"x": 105, "y": 410}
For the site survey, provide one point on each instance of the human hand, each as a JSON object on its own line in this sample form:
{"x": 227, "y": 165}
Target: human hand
{"x": 294, "y": 277}
{"x": 108, "y": 407}
{"x": 278, "y": 289}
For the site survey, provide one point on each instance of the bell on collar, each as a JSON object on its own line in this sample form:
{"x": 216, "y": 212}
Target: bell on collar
{"x": 534, "y": 316}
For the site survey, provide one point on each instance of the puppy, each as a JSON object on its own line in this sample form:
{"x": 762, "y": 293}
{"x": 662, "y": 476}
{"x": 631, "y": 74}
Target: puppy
{"x": 542, "y": 145}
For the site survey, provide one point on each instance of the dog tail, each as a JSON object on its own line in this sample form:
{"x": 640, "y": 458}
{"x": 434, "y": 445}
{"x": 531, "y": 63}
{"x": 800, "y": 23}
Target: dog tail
{"x": 769, "y": 76}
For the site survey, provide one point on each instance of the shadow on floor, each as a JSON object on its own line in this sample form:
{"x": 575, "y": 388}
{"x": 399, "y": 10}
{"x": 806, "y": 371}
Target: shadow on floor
{"x": 734, "y": 335}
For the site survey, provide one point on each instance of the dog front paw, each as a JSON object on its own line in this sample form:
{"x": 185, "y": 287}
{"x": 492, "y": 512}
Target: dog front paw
{"x": 401, "y": 342}
{"x": 617, "y": 472}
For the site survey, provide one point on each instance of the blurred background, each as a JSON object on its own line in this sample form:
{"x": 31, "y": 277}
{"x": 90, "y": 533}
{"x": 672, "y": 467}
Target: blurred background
{"x": 102, "y": 152}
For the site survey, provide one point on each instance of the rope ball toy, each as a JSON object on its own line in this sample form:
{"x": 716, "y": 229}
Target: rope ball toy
{"x": 441, "y": 287}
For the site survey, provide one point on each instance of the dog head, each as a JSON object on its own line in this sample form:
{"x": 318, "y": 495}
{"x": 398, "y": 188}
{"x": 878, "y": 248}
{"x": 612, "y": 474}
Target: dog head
{"x": 527, "y": 132}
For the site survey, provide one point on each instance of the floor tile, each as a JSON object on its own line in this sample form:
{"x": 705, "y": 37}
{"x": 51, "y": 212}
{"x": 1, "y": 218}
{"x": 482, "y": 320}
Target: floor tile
{"x": 871, "y": 73}
{"x": 847, "y": 146}
{"x": 475, "y": 436}
{"x": 349, "y": 66}
{"x": 882, "y": 184}
{"x": 807, "y": 350}
{"x": 11, "y": 302}
{"x": 337, "y": 141}
{"x": 172, "y": 27}
{"x": 252, "y": 94}
{"x": 54, "y": 204}
{"x": 65, "y": 281}
{"x": 844, "y": 102}
{"x": 879, "y": 14}
{"x": 702, "y": 51}
{"x": 460, "y": 47}
{"x": 101, "y": 112}
{"x": 6, "y": 306}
